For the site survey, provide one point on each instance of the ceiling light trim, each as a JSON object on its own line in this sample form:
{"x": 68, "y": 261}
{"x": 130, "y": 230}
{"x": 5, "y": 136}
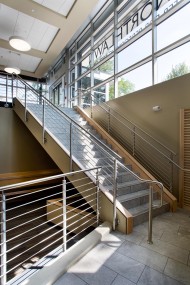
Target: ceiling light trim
{"x": 19, "y": 43}
{"x": 11, "y": 70}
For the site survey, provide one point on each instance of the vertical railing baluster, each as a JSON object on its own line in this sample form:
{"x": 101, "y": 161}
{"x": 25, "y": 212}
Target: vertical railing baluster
{"x": 3, "y": 240}
{"x": 134, "y": 141}
{"x": 25, "y": 110}
{"x": 114, "y": 194}
{"x": 12, "y": 89}
{"x": 43, "y": 121}
{"x": 171, "y": 173}
{"x": 91, "y": 110}
{"x": 64, "y": 215}
{"x": 150, "y": 215}
{"x": 109, "y": 120}
{"x": 71, "y": 155}
{"x": 6, "y": 95}
{"x": 97, "y": 198}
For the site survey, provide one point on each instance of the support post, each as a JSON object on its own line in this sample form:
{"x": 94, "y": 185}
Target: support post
{"x": 97, "y": 198}
{"x": 43, "y": 121}
{"x": 114, "y": 194}
{"x": 71, "y": 154}
{"x": 64, "y": 215}
{"x": 109, "y": 120}
{"x": 150, "y": 216}
{"x": 25, "y": 91}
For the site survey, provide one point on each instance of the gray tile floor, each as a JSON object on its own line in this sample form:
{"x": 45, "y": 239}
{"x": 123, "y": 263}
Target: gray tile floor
{"x": 128, "y": 259}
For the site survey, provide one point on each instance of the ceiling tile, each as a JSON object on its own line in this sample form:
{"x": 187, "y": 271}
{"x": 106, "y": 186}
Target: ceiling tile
{"x": 62, "y": 7}
{"x": 14, "y": 23}
{"x": 23, "y": 61}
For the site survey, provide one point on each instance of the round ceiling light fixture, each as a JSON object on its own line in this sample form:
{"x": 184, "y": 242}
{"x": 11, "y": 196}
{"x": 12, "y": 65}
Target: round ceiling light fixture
{"x": 10, "y": 69}
{"x": 19, "y": 43}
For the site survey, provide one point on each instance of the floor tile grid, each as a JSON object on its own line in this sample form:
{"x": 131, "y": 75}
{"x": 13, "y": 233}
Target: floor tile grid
{"x": 172, "y": 272}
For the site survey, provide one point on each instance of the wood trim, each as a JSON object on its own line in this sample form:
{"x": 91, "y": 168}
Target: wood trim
{"x": 185, "y": 158}
{"x": 16, "y": 177}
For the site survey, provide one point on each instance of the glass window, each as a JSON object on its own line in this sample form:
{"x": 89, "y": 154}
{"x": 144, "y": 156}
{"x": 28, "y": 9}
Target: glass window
{"x": 84, "y": 38}
{"x": 72, "y": 62}
{"x": 72, "y": 75}
{"x": 83, "y": 51}
{"x": 135, "y": 22}
{"x": 103, "y": 71}
{"x": 103, "y": 49}
{"x": 72, "y": 50}
{"x": 174, "y": 28}
{"x": 104, "y": 92}
{"x": 105, "y": 15}
{"x": 84, "y": 82}
{"x": 138, "y": 78}
{"x": 135, "y": 52}
{"x": 84, "y": 65}
{"x": 174, "y": 63}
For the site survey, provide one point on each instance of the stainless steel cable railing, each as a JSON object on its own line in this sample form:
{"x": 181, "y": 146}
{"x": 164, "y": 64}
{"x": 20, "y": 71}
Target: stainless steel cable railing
{"x": 84, "y": 147}
{"x": 151, "y": 153}
{"x": 36, "y": 222}
{"x": 74, "y": 137}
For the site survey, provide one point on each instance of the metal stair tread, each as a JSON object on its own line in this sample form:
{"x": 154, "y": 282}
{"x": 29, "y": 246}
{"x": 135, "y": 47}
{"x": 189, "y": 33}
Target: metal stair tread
{"x": 144, "y": 208}
{"x": 130, "y": 196}
{"x": 129, "y": 183}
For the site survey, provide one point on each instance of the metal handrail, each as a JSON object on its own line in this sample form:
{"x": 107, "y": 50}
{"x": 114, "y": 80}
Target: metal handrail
{"x": 40, "y": 180}
{"x": 126, "y": 119}
{"x": 74, "y": 224}
{"x": 153, "y": 143}
{"x": 73, "y": 121}
{"x": 113, "y": 156}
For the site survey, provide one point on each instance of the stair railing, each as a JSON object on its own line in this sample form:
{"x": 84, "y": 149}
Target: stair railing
{"x": 26, "y": 95}
{"x": 151, "y": 153}
{"x": 26, "y": 232}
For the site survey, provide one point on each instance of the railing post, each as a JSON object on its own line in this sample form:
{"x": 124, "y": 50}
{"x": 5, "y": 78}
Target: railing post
{"x": 79, "y": 97}
{"x": 150, "y": 216}
{"x": 97, "y": 198}
{"x": 3, "y": 240}
{"x": 91, "y": 110}
{"x": 6, "y": 103}
{"x": 43, "y": 121}
{"x": 171, "y": 173}
{"x": 134, "y": 141}
{"x": 114, "y": 194}
{"x": 64, "y": 215}
{"x": 109, "y": 120}
{"x": 71, "y": 150}
{"x": 12, "y": 89}
{"x": 25, "y": 113}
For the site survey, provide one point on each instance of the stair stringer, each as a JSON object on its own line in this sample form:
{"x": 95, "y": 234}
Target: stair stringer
{"x": 61, "y": 157}
{"x": 136, "y": 166}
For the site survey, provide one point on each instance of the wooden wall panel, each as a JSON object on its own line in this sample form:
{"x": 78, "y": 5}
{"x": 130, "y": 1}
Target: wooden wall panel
{"x": 185, "y": 158}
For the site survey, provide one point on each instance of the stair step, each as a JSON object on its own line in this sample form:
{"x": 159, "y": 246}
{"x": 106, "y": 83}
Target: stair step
{"x": 130, "y": 187}
{"x": 141, "y": 213}
{"x": 136, "y": 199}
{"x": 133, "y": 193}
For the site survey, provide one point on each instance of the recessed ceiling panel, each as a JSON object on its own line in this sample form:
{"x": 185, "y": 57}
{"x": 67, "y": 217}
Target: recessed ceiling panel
{"x": 22, "y": 61}
{"x": 14, "y": 23}
{"x": 60, "y": 6}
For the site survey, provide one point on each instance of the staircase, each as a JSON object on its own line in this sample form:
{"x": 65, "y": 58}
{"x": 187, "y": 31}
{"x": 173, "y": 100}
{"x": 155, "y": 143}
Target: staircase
{"x": 90, "y": 150}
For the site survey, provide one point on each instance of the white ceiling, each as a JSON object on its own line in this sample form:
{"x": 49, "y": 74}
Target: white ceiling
{"x": 60, "y": 6}
{"x": 47, "y": 25}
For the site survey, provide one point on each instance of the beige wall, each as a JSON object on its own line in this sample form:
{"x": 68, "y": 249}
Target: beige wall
{"x": 163, "y": 125}
{"x": 19, "y": 150}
